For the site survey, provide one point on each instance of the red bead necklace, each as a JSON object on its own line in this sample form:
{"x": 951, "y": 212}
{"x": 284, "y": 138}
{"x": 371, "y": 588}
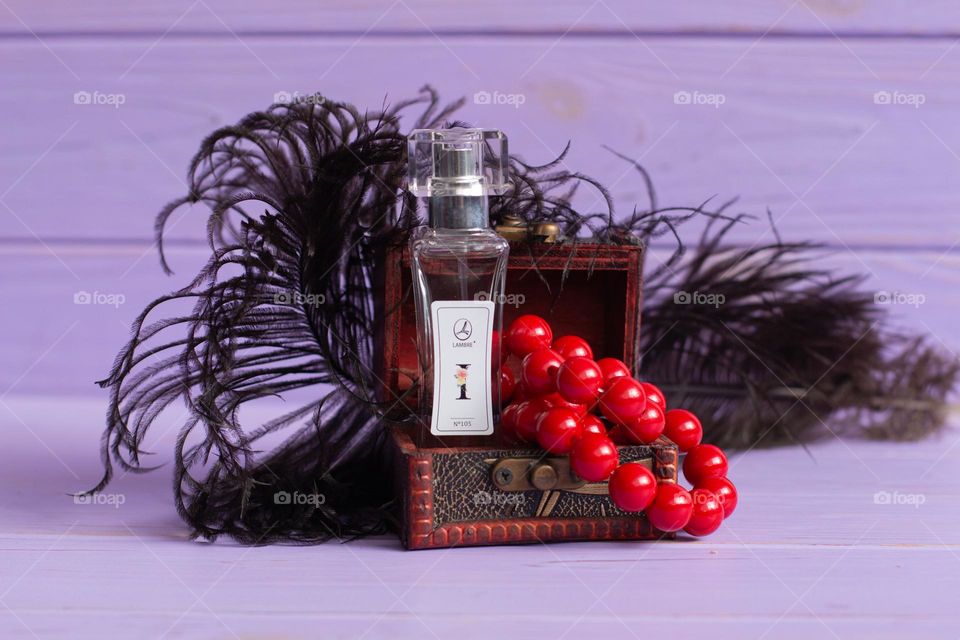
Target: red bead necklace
{"x": 555, "y": 405}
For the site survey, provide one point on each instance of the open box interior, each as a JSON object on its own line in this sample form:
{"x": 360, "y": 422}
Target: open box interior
{"x": 575, "y": 292}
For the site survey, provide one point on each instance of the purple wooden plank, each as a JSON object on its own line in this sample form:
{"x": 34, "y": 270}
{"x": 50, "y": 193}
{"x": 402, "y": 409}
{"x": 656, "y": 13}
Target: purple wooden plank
{"x": 747, "y": 17}
{"x": 815, "y": 147}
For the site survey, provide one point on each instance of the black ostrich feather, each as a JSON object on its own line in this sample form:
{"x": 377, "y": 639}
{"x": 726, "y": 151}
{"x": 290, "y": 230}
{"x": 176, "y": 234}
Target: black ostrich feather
{"x": 283, "y": 304}
{"x": 305, "y": 197}
{"x": 777, "y": 346}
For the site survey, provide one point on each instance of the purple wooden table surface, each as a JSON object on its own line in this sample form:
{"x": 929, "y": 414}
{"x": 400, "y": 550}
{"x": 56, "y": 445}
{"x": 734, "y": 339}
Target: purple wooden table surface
{"x": 854, "y": 540}
{"x": 840, "y": 116}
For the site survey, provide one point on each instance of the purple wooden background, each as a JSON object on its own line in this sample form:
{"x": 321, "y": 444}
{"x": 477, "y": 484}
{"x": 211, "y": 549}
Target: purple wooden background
{"x": 840, "y": 115}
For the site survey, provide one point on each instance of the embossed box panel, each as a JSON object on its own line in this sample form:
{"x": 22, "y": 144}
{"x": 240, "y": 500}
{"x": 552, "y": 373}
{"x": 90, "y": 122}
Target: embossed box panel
{"x": 448, "y": 498}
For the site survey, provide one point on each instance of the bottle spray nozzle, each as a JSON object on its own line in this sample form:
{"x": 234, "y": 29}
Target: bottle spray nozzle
{"x": 452, "y": 161}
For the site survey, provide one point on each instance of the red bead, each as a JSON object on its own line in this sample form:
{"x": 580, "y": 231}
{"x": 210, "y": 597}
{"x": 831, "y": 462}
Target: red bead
{"x": 528, "y": 333}
{"x": 579, "y": 380}
{"x": 539, "y": 371}
{"x": 508, "y": 384}
{"x": 702, "y": 462}
{"x": 646, "y": 427}
{"x": 593, "y": 457}
{"x": 615, "y": 433}
{"x": 623, "y": 401}
{"x": 527, "y": 416}
{"x": 671, "y": 508}
{"x": 654, "y": 395}
{"x": 683, "y": 428}
{"x": 724, "y": 490}
{"x": 520, "y": 394}
{"x": 508, "y": 420}
{"x": 557, "y": 400}
{"x": 557, "y": 429}
{"x": 572, "y": 347}
{"x": 707, "y": 513}
{"x": 612, "y": 368}
{"x": 593, "y": 424}
{"x": 632, "y": 487}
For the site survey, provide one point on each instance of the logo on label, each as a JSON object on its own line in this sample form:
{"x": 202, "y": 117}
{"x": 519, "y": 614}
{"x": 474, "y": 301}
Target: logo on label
{"x": 461, "y": 377}
{"x": 462, "y": 329}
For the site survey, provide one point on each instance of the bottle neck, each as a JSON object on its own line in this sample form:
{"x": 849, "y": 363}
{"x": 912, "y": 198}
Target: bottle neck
{"x": 459, "y": 212}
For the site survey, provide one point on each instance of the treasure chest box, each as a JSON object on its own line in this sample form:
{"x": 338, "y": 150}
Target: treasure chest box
{"x": 509, "y": 494}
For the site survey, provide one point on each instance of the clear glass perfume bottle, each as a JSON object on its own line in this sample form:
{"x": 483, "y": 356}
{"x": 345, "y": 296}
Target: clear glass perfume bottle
{"x": 459, "y": 268}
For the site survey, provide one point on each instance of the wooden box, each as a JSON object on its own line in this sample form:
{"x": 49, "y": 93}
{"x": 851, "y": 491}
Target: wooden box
{"x": 454, "y": 496}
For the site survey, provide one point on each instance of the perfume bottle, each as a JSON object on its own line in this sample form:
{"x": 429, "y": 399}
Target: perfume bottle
{"x": 459, "y": 268}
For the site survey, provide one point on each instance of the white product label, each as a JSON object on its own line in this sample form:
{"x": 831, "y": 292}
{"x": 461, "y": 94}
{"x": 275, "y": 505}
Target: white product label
{"x": 462, "y": 343}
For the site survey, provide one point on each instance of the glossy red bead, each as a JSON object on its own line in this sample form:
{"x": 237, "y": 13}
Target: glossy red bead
{"x": 539, "y": 371}
{"x": 557, "y": 428}
{"x": 623, "y": 401}
{"x": 593, "y": 424}
{"x": 725, "y": 491}
{"x": 707, "y": 513}
{"x": 646, "y": 427}
{"x": 654, "y": 395}
{"x": 593, "y": 457}
{"x": 521, "y": 394}
{"x": 557, "y": 400}
{"x": 528, "y": 333}
{"x": 615, "y": 433}
{"x": 632, "y": 487}
{"x": 671, "y": 508}
{"x": 503, "y": 393}
{"x": 528, "y": 415}
{"x": 579, "y": 380}
{"x": 683, "y": 428}
{"x": 702, "y": 462}
{"x": 508, "y": 420}
{"x": 572, "y": 347}
{"x": 612, "y": 368}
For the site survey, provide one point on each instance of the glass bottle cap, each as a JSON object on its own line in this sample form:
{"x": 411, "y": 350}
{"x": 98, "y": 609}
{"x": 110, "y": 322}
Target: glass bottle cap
{"x": 457, "y": 162}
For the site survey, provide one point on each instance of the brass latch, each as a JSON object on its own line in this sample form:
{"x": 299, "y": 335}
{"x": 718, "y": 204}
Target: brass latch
{"x": 515, "y": 228}
{"x": 529, "y": 474}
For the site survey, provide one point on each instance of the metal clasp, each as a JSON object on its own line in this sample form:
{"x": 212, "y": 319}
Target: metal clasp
{"x": 529, "y": 474}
